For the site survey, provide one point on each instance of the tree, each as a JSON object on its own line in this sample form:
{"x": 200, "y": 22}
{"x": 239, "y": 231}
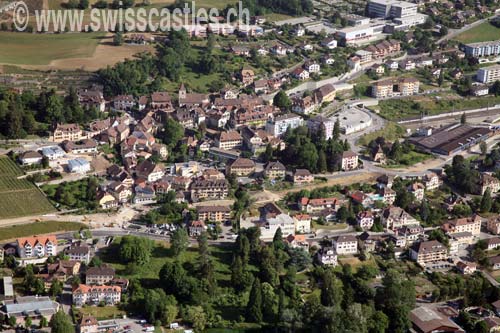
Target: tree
{"x": 378, "y": 323}
{"x": 43, "y": 322}
{"x": 322, "y": 165}
{"x": 267, "y": 155}
{"x": 136, "y": 249}
{"x": 486, "y": 201}
{"x": 61, "y": 323}
{"x": 56, "y": 288}
{"x": 179, "y": 241}
{"x": 282, "y": 101}
{"x": 28, "y": 322}
{"x": 424, "y": 210}
{"x": 396, "y": 298}
{"x": 269, "y": 302}
{"x": 83, "y": 4}
{"x": 254, "y": 306}
{"x": 443, "y": 31}
{"x": 12, "y": 321}
{"x": 484, "y": 148}
{"x": 463, "y": 119}
{"x": 39, "y": 287}
{"x": 170, "y": 313}
{"x": 331, "y": 290}
{"x": 197, "y": 317}
{"x": 241, "y": 279}
{"x": 336, "y": 130}
{"x": 172, "y": 132}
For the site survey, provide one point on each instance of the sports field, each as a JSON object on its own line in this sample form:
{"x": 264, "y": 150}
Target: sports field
{"x": 19, "y": 197}
{"x": 482, "y": 33}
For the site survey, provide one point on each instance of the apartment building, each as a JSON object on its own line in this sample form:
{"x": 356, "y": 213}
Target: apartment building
{"x": 302, "y": 223}
{"x": 213, "y": 213}
{"x": 85, "y": 294}
{"x": 318, "y": 122}
{"x": 393, "y": 88}
{"x": 349, "y": 160}
{"x": 482, "y": 49}
{"x": 71, "y": 132}
{"x": 36, "y": 246}
{"x": 99, "y": 275}
{"x": 209, "y": 189}
{"x": 280, "y": 124}
{"x": 229, "y": 140}
{"x": 241, "y": 167}
{"x": 488, "y": 74}
{"x": 319, "y": 204}
{"x": 302, "y": 176}
{"x": 493, "y": 225}
{"x": 275, "y": 170}
{"x": 466, "y": 224}
{"x": 345, "y": 244}
{"x": 395, "y": 217}
{"x": 384, "y": 48}
{"x": 78, "y": 253}
{"x": 427, "y": 252}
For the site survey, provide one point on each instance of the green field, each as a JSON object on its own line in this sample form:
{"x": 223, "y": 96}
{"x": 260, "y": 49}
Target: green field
{"x": 38, "y": 228}
{"x": 390, "y": 132}
{"x": 41, "y": 49}
{"x": 413, "y": 107}
{"x": 102, "y": 313}
{"x": 221, "y": 256}
{"x": 482, "y": 33}
{"x": 19, "y": 197}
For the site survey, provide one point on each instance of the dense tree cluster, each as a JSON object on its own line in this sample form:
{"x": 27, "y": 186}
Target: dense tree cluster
{"x": 294, "y": 7}
{"x": 462, "y": 175}
{"x": 312, "y": 151}
{"x": 136, "y": 250}
{"x": 26, "y": 113}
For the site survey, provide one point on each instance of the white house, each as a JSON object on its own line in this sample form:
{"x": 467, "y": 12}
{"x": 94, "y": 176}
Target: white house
{"x": 329, "y": 43}
{"x": 78, "y": 165}
{"x": 312, "y": 66}
{"x": 30, "y": 157}
{"x": 283, "y": 221}
{"x": 302, "y": 223}
{"x": 327, "y": 256}
{"x": 365, "y": 219}
{"x": 345, "y": 244}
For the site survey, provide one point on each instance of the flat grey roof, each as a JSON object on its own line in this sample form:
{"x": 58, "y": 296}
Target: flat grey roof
{"x": 8, "y": 288}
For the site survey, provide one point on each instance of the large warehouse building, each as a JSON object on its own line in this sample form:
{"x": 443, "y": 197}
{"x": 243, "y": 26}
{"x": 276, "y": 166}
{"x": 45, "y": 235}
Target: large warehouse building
{"x": 452, "y": 139}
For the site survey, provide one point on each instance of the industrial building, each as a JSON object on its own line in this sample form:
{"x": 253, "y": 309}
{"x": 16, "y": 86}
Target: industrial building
{"x": 452, "y": 139}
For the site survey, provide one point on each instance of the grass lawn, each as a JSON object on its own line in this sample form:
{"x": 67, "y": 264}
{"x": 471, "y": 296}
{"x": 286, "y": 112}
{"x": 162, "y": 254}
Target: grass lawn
{"x": 412, "y": 158}
{"x": 222, "y": 257}
{"x": 482, "y": 33}
{"x": 41, "y": 49}
{"x": 412, "y": 107}
{"x": 102, "y": 313}
{"x": 355, "y": 263}
{"x": 391, "y": 132}
{"x": 38, "y": 228}
{"x": 19, "y": 197}
{"x": 330, "y": 226}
